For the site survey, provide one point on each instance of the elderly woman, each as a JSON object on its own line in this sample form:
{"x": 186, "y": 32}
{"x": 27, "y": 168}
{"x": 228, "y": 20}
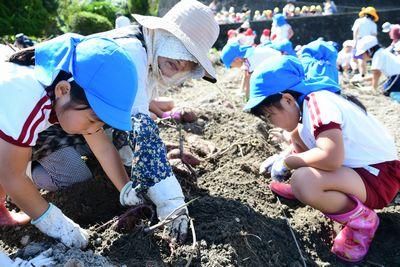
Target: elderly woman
{"x": 166, "y": 51}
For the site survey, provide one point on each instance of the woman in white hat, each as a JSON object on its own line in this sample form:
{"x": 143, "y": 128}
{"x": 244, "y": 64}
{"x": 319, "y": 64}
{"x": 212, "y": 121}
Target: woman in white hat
{"x": 166, "y": 51}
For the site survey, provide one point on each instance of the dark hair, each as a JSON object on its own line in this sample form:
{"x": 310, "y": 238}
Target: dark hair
{"x": 373, "y": 49}
{"x": 274, "y": 100}
{"x": 370, "y": 17}
{"x": 26, "y": 57}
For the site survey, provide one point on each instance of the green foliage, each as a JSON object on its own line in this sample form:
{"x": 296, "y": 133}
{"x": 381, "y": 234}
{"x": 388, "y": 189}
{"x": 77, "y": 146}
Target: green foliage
{"x": 105, "y": 9}
{"x": 28, "y": 16}
{"x": 87, "y": 23}
{"x": 138, "y": 6}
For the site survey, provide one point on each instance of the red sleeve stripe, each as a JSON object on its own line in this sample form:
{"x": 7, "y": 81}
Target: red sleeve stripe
{"x": 317, "y": 111}
{"x": 11, "y": 140}
{"x": 331, "y": 125}
{"x": 36, "y": 124}
{"x": 30, "y": 118}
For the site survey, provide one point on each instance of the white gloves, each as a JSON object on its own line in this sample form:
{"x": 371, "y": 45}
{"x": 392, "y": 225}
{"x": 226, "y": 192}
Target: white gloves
{"x": 266, "y": 166}
{"x": 167, "y": 196}
{"x": 43, "y": 259}
{"x": 128, "y": 196}
{"x": 279, "y": 170}
{"x": 276, "y": 166}
{"x": 55, "y": 224}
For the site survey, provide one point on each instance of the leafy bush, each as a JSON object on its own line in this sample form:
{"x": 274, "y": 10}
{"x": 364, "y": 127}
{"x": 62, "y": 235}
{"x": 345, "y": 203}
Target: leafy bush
{"x": 87, "y": 23}
{"x": 105, "y": 9}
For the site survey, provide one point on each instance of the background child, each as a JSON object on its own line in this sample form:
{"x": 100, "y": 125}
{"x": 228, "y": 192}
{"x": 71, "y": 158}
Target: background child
{"x": 234, "y": 55}
{"x": 382, "y": 62}
{"x": 70, "y": 84}
{"x": 280, "y": 30}
{"x": 349, "y": 165}
{"x": 344, "y": 61}
{"x": 319, "y": 59}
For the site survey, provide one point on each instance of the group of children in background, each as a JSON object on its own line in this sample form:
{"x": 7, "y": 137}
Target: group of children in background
{"x": 341, "y": 160}
{"x": 352, "y": 66}
{"x": 289, "y": 10}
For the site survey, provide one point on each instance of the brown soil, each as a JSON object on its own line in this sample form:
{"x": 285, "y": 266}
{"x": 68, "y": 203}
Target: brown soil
{"x": 238, "y": 221}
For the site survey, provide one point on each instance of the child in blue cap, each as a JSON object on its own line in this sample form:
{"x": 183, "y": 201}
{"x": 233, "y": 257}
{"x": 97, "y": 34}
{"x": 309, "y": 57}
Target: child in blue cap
{"x": 345, "y": 163}
{"x": 234, "y": 55}
{"x": 66, "y": 81}
{"x": 319, "y": 59}
{"x": 280, "y": 30}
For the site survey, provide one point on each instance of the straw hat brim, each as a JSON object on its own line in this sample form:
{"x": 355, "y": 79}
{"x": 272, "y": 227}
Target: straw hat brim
{"x": 161, "y": 23}
{"x": 373, "y": 14}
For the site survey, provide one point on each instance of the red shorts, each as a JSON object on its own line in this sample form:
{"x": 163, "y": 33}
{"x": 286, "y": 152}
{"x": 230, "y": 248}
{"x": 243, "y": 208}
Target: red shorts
{"x": 381, "y": 189}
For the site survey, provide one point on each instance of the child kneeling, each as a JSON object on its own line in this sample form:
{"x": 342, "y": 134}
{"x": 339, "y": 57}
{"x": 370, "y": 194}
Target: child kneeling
{"x": 345, "y": 164}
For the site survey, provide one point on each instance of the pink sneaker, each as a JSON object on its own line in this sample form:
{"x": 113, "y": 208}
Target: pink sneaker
{"x": 282, "y": 189}
{"x": 353, "y": 241}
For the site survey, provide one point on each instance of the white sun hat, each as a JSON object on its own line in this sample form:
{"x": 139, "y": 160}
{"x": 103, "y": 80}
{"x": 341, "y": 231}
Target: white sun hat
{"x": 194, "y": 25}
{"x": 386, "y": 27}
{"x": 365, "y": 43}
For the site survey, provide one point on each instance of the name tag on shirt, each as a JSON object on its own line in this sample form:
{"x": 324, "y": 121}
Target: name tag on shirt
{"x": 372, "y": 170}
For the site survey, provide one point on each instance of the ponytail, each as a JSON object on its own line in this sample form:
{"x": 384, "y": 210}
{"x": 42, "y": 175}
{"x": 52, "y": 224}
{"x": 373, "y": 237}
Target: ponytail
{"x": 24, "y": 57}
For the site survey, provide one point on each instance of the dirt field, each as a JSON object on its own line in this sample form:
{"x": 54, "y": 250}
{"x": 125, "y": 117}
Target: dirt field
{"x": 238, "y": 221}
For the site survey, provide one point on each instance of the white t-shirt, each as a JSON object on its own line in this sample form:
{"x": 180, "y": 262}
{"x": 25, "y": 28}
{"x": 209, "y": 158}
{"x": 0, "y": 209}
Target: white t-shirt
{"x": 122, "y": 21}
{"x": 386, "y": 62}
{"x": 281, "y": 32}
{"x": 344, "y": 59}
{"x": 259, "y": 54}
{"x": 25, "y": 107}
{"x": 264, "y": 39}
{"x": 365, "y": 27}
{"x": 365, "y": 139}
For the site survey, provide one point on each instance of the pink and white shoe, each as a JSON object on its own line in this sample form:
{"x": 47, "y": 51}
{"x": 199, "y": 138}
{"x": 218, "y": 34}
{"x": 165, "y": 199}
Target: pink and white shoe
{"x": 282, "y": 189}
{"x": 353, "y": 241}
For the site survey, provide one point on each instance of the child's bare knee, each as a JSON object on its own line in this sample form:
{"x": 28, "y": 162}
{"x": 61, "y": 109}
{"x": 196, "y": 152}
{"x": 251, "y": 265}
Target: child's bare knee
{"x": 303, "y": 184}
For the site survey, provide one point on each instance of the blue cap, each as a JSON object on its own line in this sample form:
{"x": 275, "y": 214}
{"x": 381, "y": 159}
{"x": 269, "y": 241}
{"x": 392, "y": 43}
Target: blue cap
{"x": 103, "y": 69}
{"x": 281, "y": 73}
{"x": 232, "y": 51}
{"x": 279, "y": 19}
{"x": 319, "y": 59}
{"x": 284, "y": 46}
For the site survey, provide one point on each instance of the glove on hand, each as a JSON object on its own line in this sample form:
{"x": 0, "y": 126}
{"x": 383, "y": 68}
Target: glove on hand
{"x": 55, "y": 224}
{"x": 167, "y": 196}
{"x": 43, "y": 259}
{"x": 266, "y": 165}
{"x": 128, "y": 196}
{"x": 279, "y": 170}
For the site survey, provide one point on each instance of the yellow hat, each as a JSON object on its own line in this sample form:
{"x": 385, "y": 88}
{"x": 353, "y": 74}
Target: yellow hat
{"x": 318, "y": 8}
{"x": 312, "y": 8}
{"x": 370, "y": 11}
{"x": 276, "y": 10}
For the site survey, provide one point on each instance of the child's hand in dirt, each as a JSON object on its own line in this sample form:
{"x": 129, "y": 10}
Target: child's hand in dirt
{"x": 266, "y": 165}
{"x": 55, "y": 224}
{"x": 279, "y": 170}
{"x": 128, "y": 196}
{"x": 167, "y": 196}
{"x": 43, "y": 259}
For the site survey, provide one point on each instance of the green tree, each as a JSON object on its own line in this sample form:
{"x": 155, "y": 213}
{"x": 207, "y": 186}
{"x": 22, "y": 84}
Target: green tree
{"x": 28, "y": 16}
{"x": 138, "y": 7}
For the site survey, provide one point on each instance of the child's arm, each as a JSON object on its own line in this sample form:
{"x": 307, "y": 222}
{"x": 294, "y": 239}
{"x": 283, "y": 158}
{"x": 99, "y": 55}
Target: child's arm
{"x": 14, "y": 181}
{"x": 108, "y": 157}
{"x": 328, "y": 155}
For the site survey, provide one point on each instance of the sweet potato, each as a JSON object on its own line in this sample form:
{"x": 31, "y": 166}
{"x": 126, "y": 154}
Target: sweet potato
{"x": 186, "y": 158}
{"x": 200, "y": 146}
{"x": 188, "y": 115}
{"x": 178, "y": 168}
{"x": 133, "y": 217}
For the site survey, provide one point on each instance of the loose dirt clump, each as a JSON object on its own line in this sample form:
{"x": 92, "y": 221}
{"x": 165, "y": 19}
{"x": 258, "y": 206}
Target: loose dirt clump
{"x": 237, "y": 220}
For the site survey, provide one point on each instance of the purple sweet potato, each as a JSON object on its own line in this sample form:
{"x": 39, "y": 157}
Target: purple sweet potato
{"x": 186, "y": 157}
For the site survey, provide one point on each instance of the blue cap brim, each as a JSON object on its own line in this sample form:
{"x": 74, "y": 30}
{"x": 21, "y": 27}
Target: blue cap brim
{"x": 253, "y": 102}
{"x": 110, "y": 115}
